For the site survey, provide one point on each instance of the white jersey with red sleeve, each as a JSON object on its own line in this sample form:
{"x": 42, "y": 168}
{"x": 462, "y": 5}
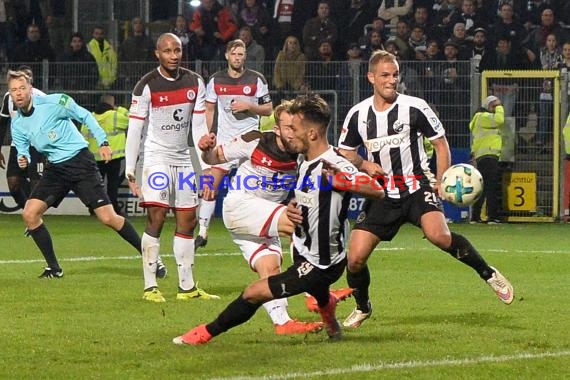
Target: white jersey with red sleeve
{"x": 222, "y": 89}
{"x": 172, "y": 108}
{"x": 267, "y": 172}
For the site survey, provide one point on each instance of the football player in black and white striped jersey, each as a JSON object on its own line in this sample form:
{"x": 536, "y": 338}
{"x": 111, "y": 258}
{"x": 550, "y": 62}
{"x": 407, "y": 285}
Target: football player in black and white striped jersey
{"x": 391, "y": 127}
{"x": 319, "y": 210}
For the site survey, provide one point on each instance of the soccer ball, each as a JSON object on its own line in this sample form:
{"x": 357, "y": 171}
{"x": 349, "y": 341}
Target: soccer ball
{"x": 461, "y": 185}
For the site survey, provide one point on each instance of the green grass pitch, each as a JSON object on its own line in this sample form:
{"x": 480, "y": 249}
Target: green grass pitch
{"x": 433, "y": 317}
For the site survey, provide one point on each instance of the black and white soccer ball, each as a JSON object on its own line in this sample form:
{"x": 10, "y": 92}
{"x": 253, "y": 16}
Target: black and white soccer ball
{"x": 461, "y": 185}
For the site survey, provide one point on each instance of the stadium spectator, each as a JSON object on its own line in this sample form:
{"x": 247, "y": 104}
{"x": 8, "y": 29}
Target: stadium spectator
{"x": 33, "y": 51}
{"x": 114, "y": 121}
{"x": 537, "y": 37}
{"x": 283, "y": 13}
{"x": 58, "y": 23}
{"x": 20, "y": 181}
{"x": 231, "y": 111}
{"x": 360, "y": 12}
{"x": 255, "y": 52}
{"x": 290, "y": 66}
{"x": 480, "y": 47}
{"x": 550, "y": 59}
{"x": 468, "y": 16}
{"x": 507, "y": 25}
{"x": 8, "y": 30}
{"x": 256, "y": 218}
{"x": 168, "y": 103}
{"x": 82, "y": 74}
{"x": 417, "y": 40}
{"x": 401, "y": 39}
{"x": 105, "y": 56}
{"x": 255, "y": 15}
{"x": 318, "y": 244}
{"x": 421, "y": 17}
{"x": 486, "y": 144}
{"x": 393, "y": 10}
{"x": 71, "y": 165}
{"x": 406, "y": 202}
{"x": 464, "y": 43}
{"x": 317, "y": 29}
{"x": 134, "y": 50}
{"x": 188, "y": 39}
{"x": 565, "y": 67}
{"x": 214, "y": 26}
{"x": 374, "y": 42}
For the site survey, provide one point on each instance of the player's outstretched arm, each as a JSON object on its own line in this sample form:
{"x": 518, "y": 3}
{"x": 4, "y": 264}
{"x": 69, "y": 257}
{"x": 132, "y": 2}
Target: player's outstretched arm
{"x": 349, "y": 180}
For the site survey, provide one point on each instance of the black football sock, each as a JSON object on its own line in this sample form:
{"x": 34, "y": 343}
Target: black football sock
{"x": 236, "y": 313}
{"x": 42, "y": 239}
{"x": 462, "y": 250}
{"x": 360, "y": 282}
{"x": 129, "y": 233}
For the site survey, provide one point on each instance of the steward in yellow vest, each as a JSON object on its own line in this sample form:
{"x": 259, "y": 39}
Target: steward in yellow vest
{"x": 105, "y": 56}
{"x": 486, "y": 145}
{"x": 114, "y": 120}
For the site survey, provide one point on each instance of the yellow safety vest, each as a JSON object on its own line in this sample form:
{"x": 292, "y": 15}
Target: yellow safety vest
{"x": 566, "y": 133}
{"x": 486, "y": 132}
{"x": 115, "y": 123}
{"x": 106, "y": 62}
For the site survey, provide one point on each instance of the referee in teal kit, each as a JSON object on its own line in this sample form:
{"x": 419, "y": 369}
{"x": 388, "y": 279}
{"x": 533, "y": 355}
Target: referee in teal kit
{"x": 45, "y": 123}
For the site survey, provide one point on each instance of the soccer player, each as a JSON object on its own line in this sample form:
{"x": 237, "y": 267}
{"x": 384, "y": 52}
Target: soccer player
{"x": 20, "y": 181}
{"x": 319, "y": 212}
{"x": 391, "y": 126}
{"x": 253, "y": 209}
{"x": 171, "y": 99}
{"x": 44, "y": 122}
{"x": 236, "y": 98}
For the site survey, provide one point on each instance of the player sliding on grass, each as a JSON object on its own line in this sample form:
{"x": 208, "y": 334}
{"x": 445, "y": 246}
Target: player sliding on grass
{"x": 253, "y": 212}
{"x": 319, "y": 212}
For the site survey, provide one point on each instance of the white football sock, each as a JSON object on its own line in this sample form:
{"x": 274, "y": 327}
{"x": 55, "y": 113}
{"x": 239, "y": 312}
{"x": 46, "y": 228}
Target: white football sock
{"x": 205, "y": 213}
{"x": 183, "y": 247}
{"x": 277, "y": 310}
{"x": 150, "y": 248}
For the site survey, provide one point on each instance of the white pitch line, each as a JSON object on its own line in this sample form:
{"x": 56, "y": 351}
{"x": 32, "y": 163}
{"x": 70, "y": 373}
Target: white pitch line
{"x": 217, "y": 254}
{"x": 384, "y": 366}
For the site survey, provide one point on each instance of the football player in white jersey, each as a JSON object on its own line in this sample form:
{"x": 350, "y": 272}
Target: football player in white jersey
{"x": 392, "y": 126}
{"x": 171, "y": 100}
{"x": 236, "y": 98}
{"x": 319, "y": 239}
{"x": 253, "y": 209}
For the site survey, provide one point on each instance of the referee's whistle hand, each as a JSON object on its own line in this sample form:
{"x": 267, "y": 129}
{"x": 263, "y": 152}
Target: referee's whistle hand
{"x": 22, "y": 162}
{"x": 106, "y": 153}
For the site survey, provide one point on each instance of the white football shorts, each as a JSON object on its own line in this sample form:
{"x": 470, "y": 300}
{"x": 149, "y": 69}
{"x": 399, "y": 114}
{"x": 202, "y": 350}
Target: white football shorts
{"x": 169, "y": 186}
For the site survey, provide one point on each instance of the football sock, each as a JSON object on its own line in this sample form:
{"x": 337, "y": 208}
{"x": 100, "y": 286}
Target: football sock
{"x": 277, "y": 310}
{"x": 462, "y": 250}
{"x": 205, "y": 213}
{"x": 236, "y": 313}
{"x": 360, "y": 282}
{"x": 183, "y": 247}
{"x": 150, "y": 249}
{"x": 129, "y": 233}
{"x": 42, "y": 238}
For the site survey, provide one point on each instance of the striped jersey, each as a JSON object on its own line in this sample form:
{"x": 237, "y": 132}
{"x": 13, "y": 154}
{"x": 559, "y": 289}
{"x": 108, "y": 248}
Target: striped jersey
{"x": 394, "y": 139}
{"x": 169, "y": 105}
{"x": 267, "y": 172}
{"x": 322, "y": 236}
{"x": 222, "y": 89}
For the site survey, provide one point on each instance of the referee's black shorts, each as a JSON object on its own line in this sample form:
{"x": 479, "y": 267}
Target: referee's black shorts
{"x": 384, "y": 217}
{"x": 34, "y": 169}
{"x": 79, "y": 174}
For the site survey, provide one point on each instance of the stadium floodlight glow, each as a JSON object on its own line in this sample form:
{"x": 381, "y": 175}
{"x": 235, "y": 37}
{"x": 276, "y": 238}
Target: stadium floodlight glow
{"x": 195, "y": 3}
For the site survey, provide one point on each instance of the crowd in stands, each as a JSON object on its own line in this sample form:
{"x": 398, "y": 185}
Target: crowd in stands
{"x": 498, "y": 34}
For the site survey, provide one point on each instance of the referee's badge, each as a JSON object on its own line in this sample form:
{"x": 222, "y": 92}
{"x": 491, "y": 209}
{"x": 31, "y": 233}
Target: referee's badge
{"x": 52, "y": 135}
{"x": 361, "y": 217}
